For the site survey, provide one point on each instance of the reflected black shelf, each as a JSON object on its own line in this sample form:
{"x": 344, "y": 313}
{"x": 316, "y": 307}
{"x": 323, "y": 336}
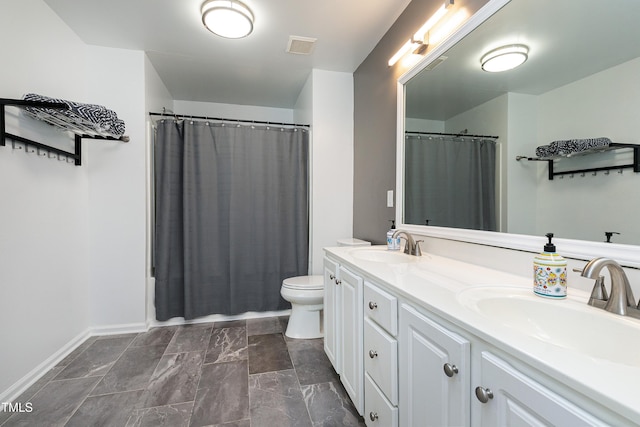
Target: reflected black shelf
{"x": 612, "y": 147}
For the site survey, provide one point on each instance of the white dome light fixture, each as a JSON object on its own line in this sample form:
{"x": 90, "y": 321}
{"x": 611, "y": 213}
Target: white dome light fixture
{"x": 227, "y": 18}
{"x": 504, "y": 58}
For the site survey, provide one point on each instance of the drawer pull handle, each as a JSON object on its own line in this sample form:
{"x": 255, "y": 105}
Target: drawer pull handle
{"x": 450, "y": 370}
{"x": 484, "y": 394}
{"x": 373, "y": 354}
{"x": 373, "y": 305}
{"x": 338, "y": 281}
{"x": 373, "y": 416}
{"x": 332, "y": 276}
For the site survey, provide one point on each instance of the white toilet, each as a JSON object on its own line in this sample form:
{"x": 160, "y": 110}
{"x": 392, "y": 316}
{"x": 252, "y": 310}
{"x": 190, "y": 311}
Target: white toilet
{"x": 306, "y": 294}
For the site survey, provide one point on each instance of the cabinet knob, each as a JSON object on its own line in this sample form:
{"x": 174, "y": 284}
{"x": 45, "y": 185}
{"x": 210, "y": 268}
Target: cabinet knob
{"x": 484, "y": 394}
{"x": 338, "y": 281}
{"x": 373, "y": 305}
{"x": 373, "y": 416}
{"x": 450, "y": 370}
{"x": 373, "y": 354}
{"x": 333, "y": 276}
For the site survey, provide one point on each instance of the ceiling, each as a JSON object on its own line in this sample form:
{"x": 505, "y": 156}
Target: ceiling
{"x": 568, "y": 40}
{"x": 196, "y": 65}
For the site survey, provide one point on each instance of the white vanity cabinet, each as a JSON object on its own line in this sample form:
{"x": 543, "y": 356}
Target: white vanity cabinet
{"x": 434, "y": 373}
{"x": 343, "y": 328}
{"x": 380, "y": 357}
{"x": 406, "y": 361}
{"x": 508, "y": 397}
{"x": 331, "y": 314}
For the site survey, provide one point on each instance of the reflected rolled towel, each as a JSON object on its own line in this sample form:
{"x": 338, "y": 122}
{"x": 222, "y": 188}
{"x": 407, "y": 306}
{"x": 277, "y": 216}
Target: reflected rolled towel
{"x": 101, "y": 119}
{"x": 543, "y": 151}
{"x": 569, "y": 146}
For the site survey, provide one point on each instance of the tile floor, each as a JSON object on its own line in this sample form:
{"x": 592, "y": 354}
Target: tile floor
{"x": 232, "y": 374}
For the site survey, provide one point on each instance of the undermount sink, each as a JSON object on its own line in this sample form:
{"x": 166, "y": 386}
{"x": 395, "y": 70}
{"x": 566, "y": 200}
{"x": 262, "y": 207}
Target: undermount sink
{"x": 563, "y": 323}
{"x": 386, "y": 256}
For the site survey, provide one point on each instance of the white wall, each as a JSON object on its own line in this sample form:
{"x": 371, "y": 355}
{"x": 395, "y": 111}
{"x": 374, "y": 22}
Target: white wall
{"x": 44, "y": 259}
{"x": 520, "y": 180}
{"x": 332, "y": 161}
{"x": 423, "y": 125}
{"x": 232, "y": 111}
{"x": 117, "y": 192}
{"x": 604, "y": 104}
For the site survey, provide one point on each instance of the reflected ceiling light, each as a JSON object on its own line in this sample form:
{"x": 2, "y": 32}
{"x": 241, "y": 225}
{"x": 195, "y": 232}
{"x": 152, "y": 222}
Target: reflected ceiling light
{"x": 227, "y": 18}
{"x": 418, "y": 38}
{"x": 504, "y": 58}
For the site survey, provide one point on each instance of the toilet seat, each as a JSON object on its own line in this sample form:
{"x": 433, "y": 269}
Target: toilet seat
{"x": 311, "y": 283}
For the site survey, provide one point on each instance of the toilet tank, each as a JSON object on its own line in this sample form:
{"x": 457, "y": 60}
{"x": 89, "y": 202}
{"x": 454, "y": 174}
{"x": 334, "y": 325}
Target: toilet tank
{"x": 350, "y": 241}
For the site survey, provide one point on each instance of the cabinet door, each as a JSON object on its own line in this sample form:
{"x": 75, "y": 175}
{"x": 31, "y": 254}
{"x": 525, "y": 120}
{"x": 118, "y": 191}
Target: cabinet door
{"x": 510, "y": 398}
{"x": 435, "y": 376}
{"x": 331, "y": 315}
{"x": 351, "y": 322}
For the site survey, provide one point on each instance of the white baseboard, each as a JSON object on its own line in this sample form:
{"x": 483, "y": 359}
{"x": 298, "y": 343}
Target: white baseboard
{"x": 130, "y": 328}
{"x": 35, "y": 374}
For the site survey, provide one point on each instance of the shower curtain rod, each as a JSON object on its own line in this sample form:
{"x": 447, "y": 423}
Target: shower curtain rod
{"x": 453, "y": 134}
{"x": 221, "y": 119}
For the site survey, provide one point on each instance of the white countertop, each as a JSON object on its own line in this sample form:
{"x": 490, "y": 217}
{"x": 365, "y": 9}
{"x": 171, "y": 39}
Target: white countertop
{"x": 434, "y": 283}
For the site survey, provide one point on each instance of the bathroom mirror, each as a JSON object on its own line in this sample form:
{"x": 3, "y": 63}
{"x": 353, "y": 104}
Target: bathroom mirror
{"x": 580, "y": 80}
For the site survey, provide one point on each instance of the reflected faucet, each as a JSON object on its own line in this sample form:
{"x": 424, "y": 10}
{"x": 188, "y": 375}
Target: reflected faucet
{"x": 621, "y": 300}
{"x": 411, "y": 247}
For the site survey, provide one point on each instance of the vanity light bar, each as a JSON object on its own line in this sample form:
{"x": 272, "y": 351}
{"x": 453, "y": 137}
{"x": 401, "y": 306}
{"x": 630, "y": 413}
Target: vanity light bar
{"x": 418, "y": 37}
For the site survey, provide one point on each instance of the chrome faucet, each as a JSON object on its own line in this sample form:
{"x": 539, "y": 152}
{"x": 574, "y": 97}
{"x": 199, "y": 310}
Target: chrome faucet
{"x": 621, "y": 300}
{"x": 411, "y": 247}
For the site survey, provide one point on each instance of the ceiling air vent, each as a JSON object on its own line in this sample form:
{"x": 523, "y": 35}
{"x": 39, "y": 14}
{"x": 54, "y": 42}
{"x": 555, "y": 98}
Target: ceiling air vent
{"x": 300, "y": 45}
{"x": 435, "y": 63}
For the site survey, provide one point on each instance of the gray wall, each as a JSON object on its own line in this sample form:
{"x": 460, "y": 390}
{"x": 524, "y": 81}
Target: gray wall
{"x": 375, "y": 122}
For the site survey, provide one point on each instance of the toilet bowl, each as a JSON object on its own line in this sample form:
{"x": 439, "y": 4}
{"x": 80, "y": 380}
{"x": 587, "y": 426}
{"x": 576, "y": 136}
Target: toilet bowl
{"x": 305, "y": 293}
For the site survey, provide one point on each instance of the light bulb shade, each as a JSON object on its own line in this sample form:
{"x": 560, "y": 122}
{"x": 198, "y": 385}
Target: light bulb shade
{"x": 504, "y": 58}
{"x": 227, "y": 18}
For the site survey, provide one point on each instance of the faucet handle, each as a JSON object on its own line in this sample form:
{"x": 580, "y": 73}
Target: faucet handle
{"x": 418, "y": 251}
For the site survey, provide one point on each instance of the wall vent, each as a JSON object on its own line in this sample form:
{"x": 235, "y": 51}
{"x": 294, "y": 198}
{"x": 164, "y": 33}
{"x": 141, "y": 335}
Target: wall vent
{"x": 435, "y": 63}
{"x": 300, "y": 45}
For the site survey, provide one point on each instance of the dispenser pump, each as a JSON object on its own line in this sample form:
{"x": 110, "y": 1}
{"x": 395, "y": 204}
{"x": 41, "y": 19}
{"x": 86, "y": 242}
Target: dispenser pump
{"x": 549, "y": 247}
{"x": 393, "y": 243}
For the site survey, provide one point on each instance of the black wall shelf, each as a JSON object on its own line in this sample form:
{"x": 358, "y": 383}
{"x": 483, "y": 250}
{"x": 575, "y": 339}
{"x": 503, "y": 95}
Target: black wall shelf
{"x": 58, "y": 121}
{"x": 635, "y": 164}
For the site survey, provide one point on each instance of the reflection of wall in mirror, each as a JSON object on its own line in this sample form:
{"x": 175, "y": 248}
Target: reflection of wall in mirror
{"x": 604, "y": 104}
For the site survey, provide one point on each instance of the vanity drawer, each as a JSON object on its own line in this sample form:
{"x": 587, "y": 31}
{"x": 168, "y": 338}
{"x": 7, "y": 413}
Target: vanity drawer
{"x": 381, "y": 307}
{"x": 381, "y": 359}
{"x": 378, "y": 412}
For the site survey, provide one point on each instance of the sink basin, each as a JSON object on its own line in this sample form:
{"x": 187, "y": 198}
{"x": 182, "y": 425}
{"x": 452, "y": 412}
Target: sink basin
{"x": 564, "y": 323}
{"x": 391, "y": 257}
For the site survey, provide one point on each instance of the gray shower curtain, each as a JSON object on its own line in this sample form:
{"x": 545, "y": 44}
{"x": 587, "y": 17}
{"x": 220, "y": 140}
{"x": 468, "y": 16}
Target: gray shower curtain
{"x": 232, "y": 215}
{"x": 450, "y": 182}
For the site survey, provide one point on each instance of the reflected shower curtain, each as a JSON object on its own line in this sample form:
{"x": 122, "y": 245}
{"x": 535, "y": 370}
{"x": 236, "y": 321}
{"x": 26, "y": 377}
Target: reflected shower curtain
{"x": 450, "y": 182}
{"x": 232, "y": 217}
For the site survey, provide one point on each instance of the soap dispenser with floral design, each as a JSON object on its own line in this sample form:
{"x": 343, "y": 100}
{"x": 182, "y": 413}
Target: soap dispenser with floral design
{"x": 550, "y": 272}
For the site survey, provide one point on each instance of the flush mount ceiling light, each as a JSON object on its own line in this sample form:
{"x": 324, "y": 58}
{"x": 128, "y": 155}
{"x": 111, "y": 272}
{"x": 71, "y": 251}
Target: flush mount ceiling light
{"x": 504, "y": 58}
{"x": 227, "y": 18}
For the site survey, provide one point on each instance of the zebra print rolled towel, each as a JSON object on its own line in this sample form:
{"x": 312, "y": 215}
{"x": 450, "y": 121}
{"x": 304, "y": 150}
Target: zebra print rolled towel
{"x": 100, "y": 119}
{"x": 570, "y": 146}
